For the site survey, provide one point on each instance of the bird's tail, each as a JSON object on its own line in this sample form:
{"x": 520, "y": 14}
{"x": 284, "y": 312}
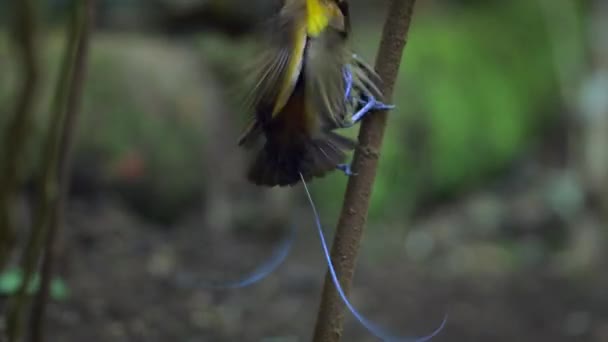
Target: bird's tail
{"x": 281, "y": 165}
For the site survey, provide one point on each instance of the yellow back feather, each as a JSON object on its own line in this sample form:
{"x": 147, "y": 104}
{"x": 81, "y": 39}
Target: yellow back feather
{"x": 318, "y": 16}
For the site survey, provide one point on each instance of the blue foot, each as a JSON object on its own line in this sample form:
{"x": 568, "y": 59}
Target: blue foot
{"x": 367, "y": 107}
{"x": 381, "y": 106}
{"x": 348, "y": 79}
{"x": 369, "y": 104}
{"x": 366, "y": 103}
{"x": 346, "y": 169}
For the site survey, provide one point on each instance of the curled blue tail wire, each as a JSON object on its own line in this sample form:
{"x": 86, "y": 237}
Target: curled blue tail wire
{"x": 373, "y": 328}
{"x": 265, "y": 269}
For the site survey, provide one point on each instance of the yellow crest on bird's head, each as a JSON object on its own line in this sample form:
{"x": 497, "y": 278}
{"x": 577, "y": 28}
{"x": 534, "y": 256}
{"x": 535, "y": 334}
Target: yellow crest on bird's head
{"x": 319, "y": 14}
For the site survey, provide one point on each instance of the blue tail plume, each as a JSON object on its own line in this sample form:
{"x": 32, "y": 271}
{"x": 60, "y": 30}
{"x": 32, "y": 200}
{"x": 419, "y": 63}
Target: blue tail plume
{"x": 373, "y": 328}
{"x": 265, "y": 269}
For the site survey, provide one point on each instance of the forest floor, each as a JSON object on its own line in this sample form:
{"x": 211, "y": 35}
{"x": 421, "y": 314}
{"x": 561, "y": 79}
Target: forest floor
{"x": 132, "y": 281}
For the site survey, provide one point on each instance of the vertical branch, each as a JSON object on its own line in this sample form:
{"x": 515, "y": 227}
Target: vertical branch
{"x": 359, "y": 189}
{"x": 82, "y": 25}
{"x": 48, "y": 191}
{"x": 18, "y": 129}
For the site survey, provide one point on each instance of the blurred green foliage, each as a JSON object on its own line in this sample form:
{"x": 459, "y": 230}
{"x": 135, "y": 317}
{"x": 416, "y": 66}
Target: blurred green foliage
{"x": 140, "y": 131}
{"x": 471, "y": 94}
{"x": 474, "y": 87}
{"x": 142, "y": 110}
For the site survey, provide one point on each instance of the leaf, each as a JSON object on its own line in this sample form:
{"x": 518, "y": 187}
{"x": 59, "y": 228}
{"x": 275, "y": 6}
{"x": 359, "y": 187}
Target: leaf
{"x": 10, "y": 281}
{"x": 59, "y": 289}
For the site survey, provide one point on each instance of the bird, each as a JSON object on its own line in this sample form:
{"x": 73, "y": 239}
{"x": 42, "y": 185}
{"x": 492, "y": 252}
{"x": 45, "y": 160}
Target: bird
{"x": 306, "y": 84}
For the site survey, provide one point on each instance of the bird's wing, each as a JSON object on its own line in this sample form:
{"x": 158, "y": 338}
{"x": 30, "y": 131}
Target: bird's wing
{"x": 326, "y": 58}
{"x": 274, "y": 74}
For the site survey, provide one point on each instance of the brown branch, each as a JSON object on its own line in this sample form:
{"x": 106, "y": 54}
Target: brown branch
{"x": 18, "y": 129}
{"x": 83, "y": 19}
{"x": 359, "y": 189}
{"x": 48, "y": 200}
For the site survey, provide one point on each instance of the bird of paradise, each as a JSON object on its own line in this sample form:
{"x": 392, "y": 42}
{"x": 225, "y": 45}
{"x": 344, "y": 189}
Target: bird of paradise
{"x": 306, "y": 85}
